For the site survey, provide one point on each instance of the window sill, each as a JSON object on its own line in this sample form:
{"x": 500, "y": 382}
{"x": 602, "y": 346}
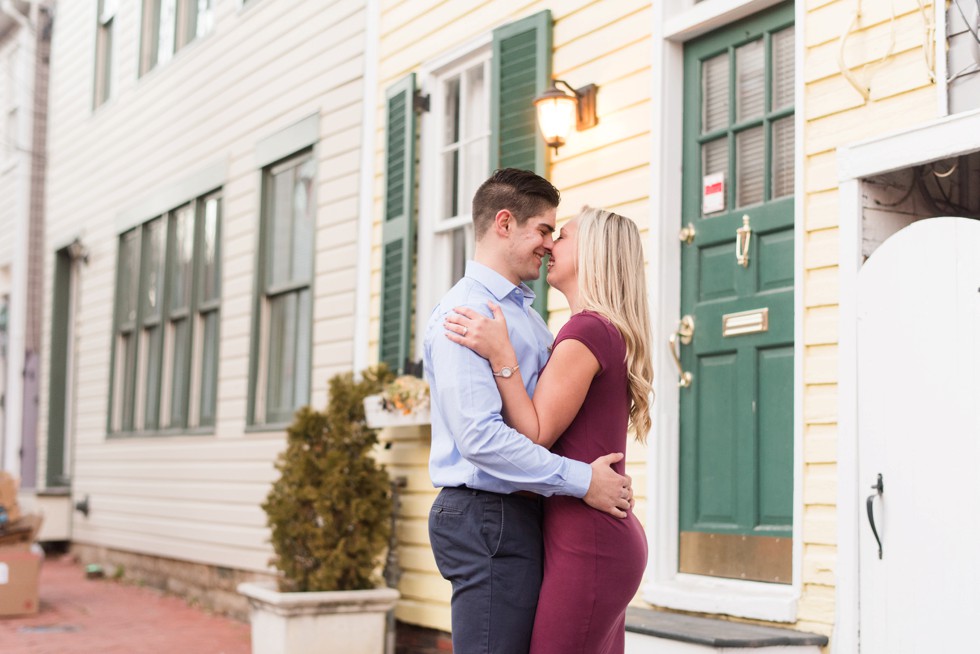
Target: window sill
{"x": 162, "y": 433}
{"x": 271, "y": 427}
{"x": 744, "y": 599}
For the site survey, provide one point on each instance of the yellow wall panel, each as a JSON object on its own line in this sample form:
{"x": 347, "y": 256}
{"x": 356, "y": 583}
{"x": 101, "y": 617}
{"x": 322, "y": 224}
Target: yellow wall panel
{"x": 820, "y": 443}
{"x": 820, "y": 404}
{"x": 821, "y": 249}
{"x": 821, "y": 287}
{"x": 821, "y": 207}
{"x": 820, "y": 525}
{"x": 820, "y": 483}
{"x": 820, "y": 364}
{"x": 821, "y": 325}
{"x": 819, "y": 563}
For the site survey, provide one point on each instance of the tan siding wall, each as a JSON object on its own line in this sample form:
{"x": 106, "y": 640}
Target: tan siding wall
{"x": 606, "y": 166}
{"x": 835, "y": 114}
{"x": 261, "y": 70}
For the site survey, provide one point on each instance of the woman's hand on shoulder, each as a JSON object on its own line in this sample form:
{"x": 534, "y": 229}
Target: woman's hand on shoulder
{"x": 486, "y": 336}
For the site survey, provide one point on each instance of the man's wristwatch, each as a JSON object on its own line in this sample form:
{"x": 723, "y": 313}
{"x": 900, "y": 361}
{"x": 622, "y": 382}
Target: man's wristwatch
{"x": 506, "y": 372}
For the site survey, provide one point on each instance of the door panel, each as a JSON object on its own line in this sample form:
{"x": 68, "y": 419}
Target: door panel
{"x": 736, "y": 429}
{"x": 919, "y": 428}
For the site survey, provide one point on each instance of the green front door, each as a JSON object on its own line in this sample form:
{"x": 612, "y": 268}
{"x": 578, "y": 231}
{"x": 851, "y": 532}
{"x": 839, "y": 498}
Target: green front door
{"x": 736, "y": 420}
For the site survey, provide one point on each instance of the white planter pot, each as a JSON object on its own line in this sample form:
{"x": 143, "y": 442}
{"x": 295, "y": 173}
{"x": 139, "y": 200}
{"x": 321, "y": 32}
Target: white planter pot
{"x": 378, "y": 418}
{"x": 343, "y": 622}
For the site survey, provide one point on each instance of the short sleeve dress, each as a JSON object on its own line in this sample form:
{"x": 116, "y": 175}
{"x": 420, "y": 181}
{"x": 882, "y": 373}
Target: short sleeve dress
{"x": 593, "y": 562}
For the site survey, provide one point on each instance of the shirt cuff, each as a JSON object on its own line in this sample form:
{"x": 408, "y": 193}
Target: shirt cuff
{"x": 579, "y": 478}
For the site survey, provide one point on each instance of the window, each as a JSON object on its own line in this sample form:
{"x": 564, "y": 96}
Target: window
{"x": 165, "y": 350}
{"x": 169, "y": 25}
{"x": 481, "y": 117}
{"x": 455, "y": 161}
{"x": 103, "y": 51}
{"x": 281, "y": 371}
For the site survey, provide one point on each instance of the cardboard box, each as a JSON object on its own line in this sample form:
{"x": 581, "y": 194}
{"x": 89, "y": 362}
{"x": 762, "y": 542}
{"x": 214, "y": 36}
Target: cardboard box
{"x": 8, "y": 496}
{"x": 20, "y": 573}
{"x": 22, "y": 532}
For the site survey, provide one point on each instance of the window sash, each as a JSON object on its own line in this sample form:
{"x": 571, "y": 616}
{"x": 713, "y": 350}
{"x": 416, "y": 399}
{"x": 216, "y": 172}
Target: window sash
{"x": 281, "y": 374}
{"x": 158, "y": 351}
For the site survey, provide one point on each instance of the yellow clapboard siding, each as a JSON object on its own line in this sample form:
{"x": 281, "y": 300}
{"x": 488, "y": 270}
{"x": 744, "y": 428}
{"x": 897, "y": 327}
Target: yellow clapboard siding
{"x": 605, "y": 161}
{"x": 817, "y": 603}
{"x": 820, "y": 404}
{"x": 822, "y": 177}
{"x": 820, "y": 483}
{"x": 626, "y": 186}
{"x": 819, "y": 564}
{"x": 820, "y": 364}
{"x": 820, "y": 443}
{"x": 820, "y": 525}
{"x": 865, "y": 46}
{"x": 430, "y": 587}
{"x": 424, "y": 614}
{"x": 903, "y": 72}
{"x": 593, "y": 17}
{"x": 908, "y": 109}
{"x": 821, "y": 325}
{"x": 822, "y": 207}
{"x": 827, "y": 22}
{"x": 822, "y": 286}
{"x": 417, "y": 558}
{"x": 821, "y": 248}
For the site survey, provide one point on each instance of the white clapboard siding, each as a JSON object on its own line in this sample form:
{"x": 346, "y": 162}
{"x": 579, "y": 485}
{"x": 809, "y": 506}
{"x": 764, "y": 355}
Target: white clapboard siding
{"x": 263, "y": 68}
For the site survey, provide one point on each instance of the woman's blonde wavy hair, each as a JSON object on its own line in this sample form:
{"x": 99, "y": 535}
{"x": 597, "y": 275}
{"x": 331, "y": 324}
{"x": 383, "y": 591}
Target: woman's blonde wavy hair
{"x": 612, "y": 282}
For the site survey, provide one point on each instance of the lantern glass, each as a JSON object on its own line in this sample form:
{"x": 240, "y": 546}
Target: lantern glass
{"x": 556, "y": 115}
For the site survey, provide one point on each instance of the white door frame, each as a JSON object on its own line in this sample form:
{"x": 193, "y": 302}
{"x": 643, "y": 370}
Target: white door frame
{"x": 945, "y": 137}
{"x": 675, "y": 23}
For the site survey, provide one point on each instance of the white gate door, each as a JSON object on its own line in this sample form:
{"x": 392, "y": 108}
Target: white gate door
{"x": 919, "y": 429}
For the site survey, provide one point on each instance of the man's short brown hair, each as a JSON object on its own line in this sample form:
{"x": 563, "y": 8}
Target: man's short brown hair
{"x": 521, "y": 192}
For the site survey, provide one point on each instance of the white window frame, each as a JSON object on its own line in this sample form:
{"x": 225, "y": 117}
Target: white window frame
{"x": 675, "y": 23}
{"x": 434, "y": 257}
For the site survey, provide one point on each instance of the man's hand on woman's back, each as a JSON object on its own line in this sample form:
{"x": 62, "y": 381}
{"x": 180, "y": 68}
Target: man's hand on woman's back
{"x": 608, "y": 491}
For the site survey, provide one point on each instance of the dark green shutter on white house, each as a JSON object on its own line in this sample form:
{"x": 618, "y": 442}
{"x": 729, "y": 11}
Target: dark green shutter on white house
{"x": 521, "y": 70}
{"x": 398, "y": 229}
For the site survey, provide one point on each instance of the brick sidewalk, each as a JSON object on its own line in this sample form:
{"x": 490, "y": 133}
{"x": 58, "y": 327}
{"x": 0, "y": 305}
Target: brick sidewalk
{"x": 83, "y": 616}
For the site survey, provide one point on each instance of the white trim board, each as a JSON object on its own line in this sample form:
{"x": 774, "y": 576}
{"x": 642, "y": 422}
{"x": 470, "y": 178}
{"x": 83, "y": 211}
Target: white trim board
{"x": 939, "y": 139}
{"x": 673, "y": 24}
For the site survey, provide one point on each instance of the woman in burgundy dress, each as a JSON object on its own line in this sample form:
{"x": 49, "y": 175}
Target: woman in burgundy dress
{"x": 597, "y": 383}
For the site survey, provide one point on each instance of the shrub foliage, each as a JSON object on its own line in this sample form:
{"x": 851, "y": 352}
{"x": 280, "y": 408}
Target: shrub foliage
{"x": 330, "y": 510}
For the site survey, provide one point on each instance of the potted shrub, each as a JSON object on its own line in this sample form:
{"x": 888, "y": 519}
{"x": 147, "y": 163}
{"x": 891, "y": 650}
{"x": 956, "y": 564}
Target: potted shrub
{"x": 330, "y": 516}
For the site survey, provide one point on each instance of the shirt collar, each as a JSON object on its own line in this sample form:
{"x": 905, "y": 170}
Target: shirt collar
{"x": 497, "y": 284}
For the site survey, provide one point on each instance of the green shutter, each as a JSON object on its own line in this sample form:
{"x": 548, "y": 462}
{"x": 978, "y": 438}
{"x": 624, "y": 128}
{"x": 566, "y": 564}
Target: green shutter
{"x": 398, "y": 229}
{"x": 521, "y": 71}
{"x": 57, "y": 377}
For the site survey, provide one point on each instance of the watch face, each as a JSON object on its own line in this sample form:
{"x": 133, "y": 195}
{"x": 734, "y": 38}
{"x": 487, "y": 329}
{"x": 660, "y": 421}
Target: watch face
{"x": 506, "y": 372}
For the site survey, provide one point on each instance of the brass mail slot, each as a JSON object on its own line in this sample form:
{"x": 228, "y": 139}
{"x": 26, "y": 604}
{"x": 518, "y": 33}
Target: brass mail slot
{"x": 745, "y": 322}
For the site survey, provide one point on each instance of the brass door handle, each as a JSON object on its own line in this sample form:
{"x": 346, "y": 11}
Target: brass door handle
{"x": 743, "y": 235}
{"x": 684, "y": 334}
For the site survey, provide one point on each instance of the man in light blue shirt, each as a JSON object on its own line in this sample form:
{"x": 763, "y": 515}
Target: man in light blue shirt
{"x": 485, "y": 525}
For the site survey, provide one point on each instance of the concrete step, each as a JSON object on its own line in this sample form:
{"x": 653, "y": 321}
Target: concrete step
{"x": 660, "y": 632}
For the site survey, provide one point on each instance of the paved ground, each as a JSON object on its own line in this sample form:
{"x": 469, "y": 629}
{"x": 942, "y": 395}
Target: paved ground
{"x": 89, "y": 616}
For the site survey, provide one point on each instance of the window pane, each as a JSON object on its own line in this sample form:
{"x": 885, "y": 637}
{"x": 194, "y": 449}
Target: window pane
{"x": 128, "y": 277}
{"x": 450, "y": 184}
{"x": 279, "y": 234}
{"x": 476, "y": 158}
{"x": 714, "y": 159}
{"x": 303, "y": 213}
{"x": 153, "y": 232}
{"x": 282, "y": 356}
{"x": 783, "y": 145}
{"x": 167, "y": 30}
{"x": 289, "y": 354}
{"x": 152, "y": 342}
{"x": 451, "y": 116}
{"x": 210, "y": 265}
{"x": 209, "y": 369}
{"x": 125, "y": 380}
{"x": 750, "y": 80}
{"x": 783, "y": 68}
{"x": 183, "y": 253}
{"x": 714, "y": 93}
{"x": 205, "y": 17}
{"x": 475, "y": 103}
{"x": 180, "y": 375}
{"x": 458, "y": 237}
{"x": 750, "y": 166}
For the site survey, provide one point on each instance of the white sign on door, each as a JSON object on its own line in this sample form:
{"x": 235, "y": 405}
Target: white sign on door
{"x": 713, "y": 193}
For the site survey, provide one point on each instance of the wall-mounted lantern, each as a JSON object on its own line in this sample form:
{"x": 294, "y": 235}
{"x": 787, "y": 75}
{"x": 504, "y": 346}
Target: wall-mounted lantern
{"x": 557, "y": 109}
